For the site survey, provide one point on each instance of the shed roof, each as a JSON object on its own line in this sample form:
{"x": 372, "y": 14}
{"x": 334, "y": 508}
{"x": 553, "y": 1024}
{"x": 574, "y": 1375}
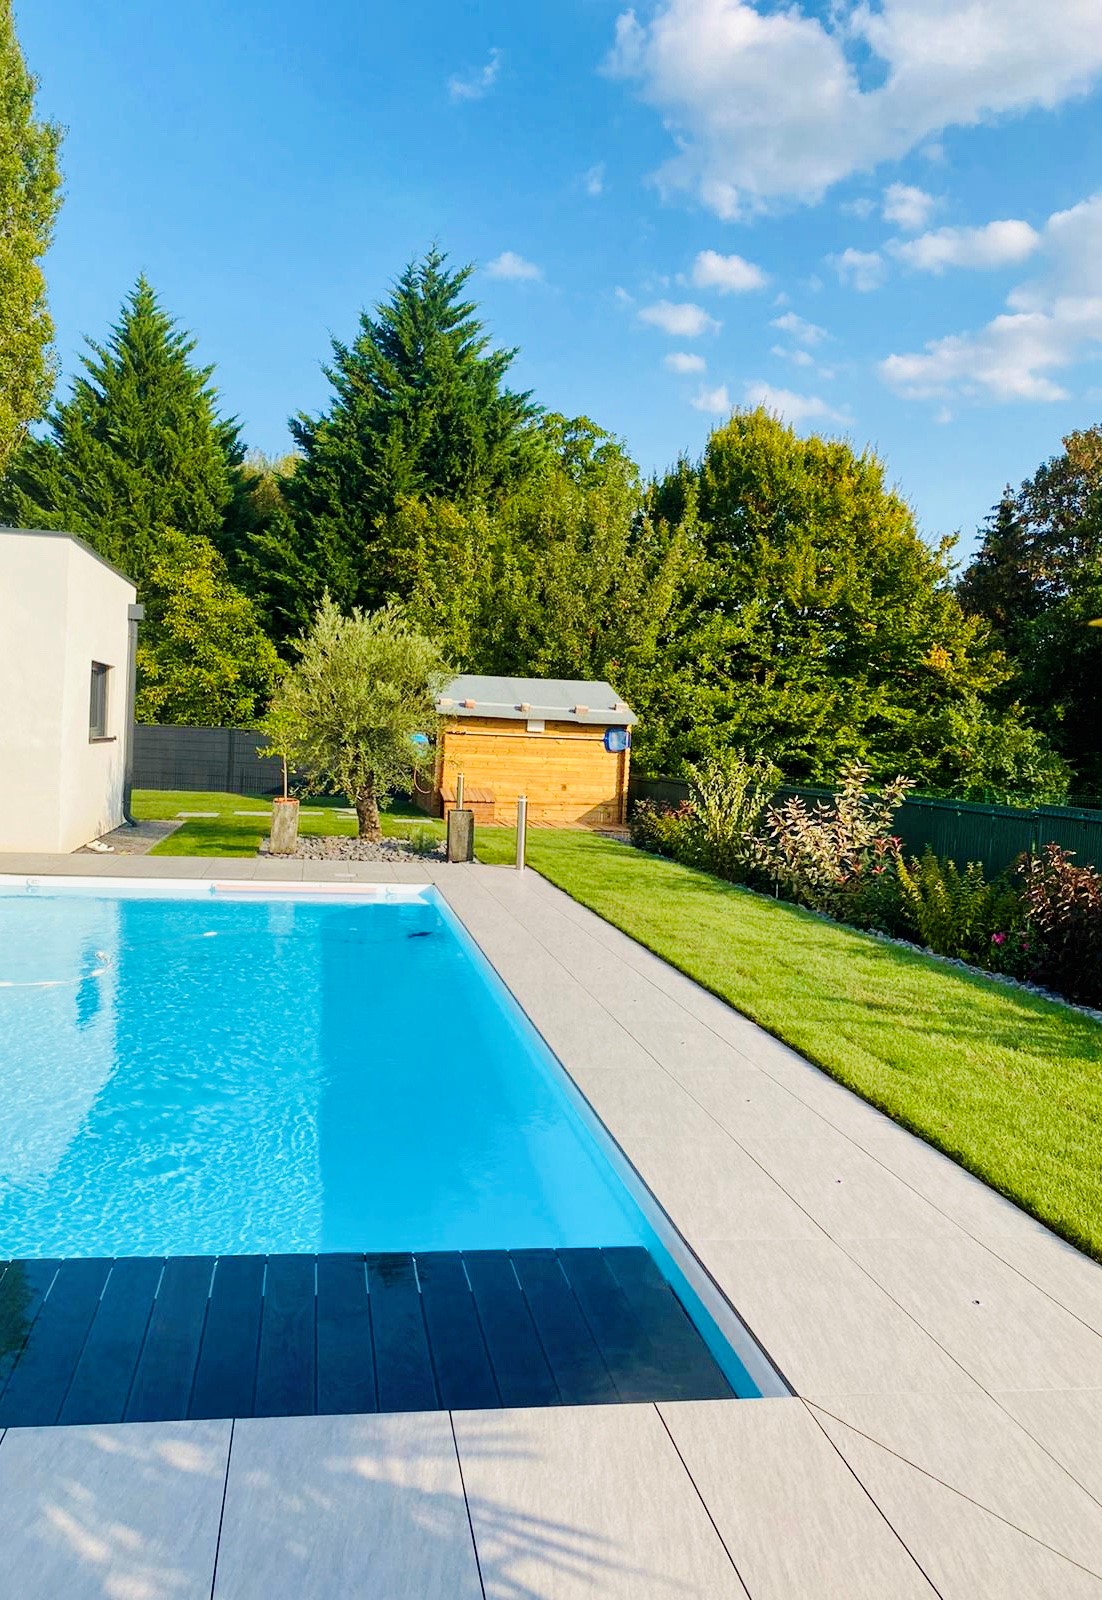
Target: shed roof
{"x": 519, "y": 699}
{"x": 73, "y": 538}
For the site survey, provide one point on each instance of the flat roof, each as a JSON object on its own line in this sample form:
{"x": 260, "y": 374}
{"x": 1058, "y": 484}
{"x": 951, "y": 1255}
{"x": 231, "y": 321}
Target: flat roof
{"x": 540, "y": 699}
{"x": 74, "y": 538}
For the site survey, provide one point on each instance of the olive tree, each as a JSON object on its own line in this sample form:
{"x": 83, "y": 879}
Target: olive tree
{"x": 363, "y": 687}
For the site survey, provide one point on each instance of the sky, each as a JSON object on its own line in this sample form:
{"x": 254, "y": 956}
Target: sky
{"x": 881, "y": 218}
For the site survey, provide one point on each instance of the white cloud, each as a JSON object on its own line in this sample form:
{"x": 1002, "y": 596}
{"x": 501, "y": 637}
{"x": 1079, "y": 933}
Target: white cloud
{"x": 727, "y": 274}
{"x": 863, "y": 270}
{"x": 717, "y": 401}
{"x": 476, "y": 85}
{"x": 861, "y": 208}
{"x": 907, "y": 207}
{"x": 593, "y": 181}
{"x": 685, "y": 320}
{"x": 800, "y": 329}
{"x": 765, "y": 102}
{"x": 509, "y": 265}
{"x": 683, "y": 361}
{"x": 997, "y": 244}
{"x": 792, "y": 407}
{"x": 1052, "y": 322}
{"x": 799, "y": 358}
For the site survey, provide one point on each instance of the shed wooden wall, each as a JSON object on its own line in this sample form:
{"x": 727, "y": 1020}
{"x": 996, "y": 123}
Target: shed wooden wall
{"x": 566, "y": 772}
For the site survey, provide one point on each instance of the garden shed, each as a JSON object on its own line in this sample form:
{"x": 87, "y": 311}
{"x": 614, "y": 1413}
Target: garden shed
{"x": 563, "y": 743}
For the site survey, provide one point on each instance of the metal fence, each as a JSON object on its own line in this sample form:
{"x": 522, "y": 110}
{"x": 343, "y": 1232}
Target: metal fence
{"x": 205, "y": 759}
{"x": 962, "y": 830}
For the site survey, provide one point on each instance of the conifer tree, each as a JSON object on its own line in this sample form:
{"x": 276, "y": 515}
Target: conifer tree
{"x": 420, "y": 408}
{"x": 29, "y": 200}
{"x": 139, "y": 462}
{"x": 137, "y": 447}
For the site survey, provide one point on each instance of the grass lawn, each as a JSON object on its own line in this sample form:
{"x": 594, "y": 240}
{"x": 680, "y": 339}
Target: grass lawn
{"x": 1007, "y": 1083}
{"x": 229, "y": 834}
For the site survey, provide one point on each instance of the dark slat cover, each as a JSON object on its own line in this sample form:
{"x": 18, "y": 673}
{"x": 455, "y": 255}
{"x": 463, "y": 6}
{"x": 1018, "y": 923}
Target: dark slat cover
{"x": 689, "y": 1370}
{"x": 624, "y": 1343}
{"x": 22, "y": 1290}
{"x": 346, "y": 1357}
{"x": 225, "y": 1374}
{"x": 403, "y": 1366}
{"x": 105, "y": 1371}
{"x": 285, "y": 1376}
{"x": 517, "y": 1357}
{"x": 464, "y": 1376}
{"x": 579, "y": 1370}
{"x": 41, "y": 1378}
{"x": 162, "y": 1382}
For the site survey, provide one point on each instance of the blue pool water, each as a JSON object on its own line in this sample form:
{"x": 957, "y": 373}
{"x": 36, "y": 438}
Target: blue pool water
{"x": 253, "y": 1074}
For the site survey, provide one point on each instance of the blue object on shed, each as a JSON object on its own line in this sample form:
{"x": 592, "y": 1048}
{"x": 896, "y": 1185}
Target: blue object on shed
{"x": 617, "y": 740}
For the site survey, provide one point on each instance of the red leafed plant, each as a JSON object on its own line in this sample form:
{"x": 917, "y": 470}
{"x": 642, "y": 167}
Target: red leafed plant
{"x": 1063, "y": 904}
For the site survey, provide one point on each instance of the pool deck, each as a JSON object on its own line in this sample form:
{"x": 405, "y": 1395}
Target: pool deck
{"x": 944, "y": 1352}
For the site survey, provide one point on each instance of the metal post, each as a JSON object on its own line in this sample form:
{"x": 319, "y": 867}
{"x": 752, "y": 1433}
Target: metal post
{"x": 134, "y": 615}
{"x": 459, "y": 791}
{"x": 522, "y": 830}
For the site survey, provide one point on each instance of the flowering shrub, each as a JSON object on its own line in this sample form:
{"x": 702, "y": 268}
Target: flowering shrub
{"x": 661, "y": 828}
{"x": 1063, "y": 904}
{"x": 727, "y": 799}
{"x": 820, "y": 855}
{"x": 960, "y": 914}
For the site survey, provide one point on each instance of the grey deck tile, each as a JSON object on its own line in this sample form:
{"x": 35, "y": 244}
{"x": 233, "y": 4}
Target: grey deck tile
{"x": 1068, "y": 1425}
{"x": 230, "y": 867}
{"x": 129, "y": 1510}
{"x": 644, "y": 1103}
{"x": 347, "y": 872}
{"x": 1005, "y": 1332}
{"x": 360, "y": 1508}
{"x": 750, "y": 1104}
{"x": 797, "y": 1523}
{"x": 409, "y": 872}
{"x": 826, "y": 1325}
{"x": 713, "y": 1190}
{"x": 278, "y": 871}
{"x": 1067, "y": 1276}
{"x": 576, "y": 1502}
{"x": 983, "y": 1509}
{"x": 849, "y": 1194}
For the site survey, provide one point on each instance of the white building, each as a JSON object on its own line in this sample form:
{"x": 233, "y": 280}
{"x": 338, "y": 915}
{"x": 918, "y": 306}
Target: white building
{"x": 68, "y": 622}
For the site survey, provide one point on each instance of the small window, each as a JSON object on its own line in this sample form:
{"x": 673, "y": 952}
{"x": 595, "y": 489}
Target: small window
{"x": 97, "y": 711}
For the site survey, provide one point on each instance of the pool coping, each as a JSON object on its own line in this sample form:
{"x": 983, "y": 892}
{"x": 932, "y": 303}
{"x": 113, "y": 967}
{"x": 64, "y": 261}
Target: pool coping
{"x": 945, "y": 1350}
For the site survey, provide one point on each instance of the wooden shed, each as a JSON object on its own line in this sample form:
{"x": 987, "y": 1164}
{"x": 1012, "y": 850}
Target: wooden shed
{"x": 565, "y": 744}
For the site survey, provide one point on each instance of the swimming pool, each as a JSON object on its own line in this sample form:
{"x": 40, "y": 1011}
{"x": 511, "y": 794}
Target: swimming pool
{"x": 213, "y": 1071}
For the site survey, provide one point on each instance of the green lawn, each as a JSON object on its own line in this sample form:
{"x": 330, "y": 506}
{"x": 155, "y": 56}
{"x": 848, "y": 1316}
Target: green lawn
{"x": 1007, "y": 1083}
{"x": 227, "y": 834}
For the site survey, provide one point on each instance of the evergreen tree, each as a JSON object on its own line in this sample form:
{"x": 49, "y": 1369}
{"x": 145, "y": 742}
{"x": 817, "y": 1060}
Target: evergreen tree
{"x": 1000, "y": 583}
{"x": 420, "y": 409}
{"x": 137, "y": 447}
{"x": 29, "y": 200}
{"x": 827, "y": 630}
{"x": 138, "y": 461}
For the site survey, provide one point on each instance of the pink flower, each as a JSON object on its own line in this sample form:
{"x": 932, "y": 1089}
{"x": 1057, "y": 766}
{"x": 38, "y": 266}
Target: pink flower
{"x": 998, "y": 938}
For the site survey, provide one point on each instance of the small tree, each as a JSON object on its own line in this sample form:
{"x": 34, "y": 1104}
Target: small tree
{"x": 363, "y": 686}
{"x": 282, "y": 724}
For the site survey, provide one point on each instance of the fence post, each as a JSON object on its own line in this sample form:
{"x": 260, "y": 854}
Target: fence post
{"x": 522, "y": 830}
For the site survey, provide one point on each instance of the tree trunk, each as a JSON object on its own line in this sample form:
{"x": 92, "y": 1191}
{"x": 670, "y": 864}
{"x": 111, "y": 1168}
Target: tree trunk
{"x": 367, "y": 813}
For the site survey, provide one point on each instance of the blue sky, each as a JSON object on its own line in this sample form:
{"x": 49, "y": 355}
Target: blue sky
{"x": 882, "y": 218}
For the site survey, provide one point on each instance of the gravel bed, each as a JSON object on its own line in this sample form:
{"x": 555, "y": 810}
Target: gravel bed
{"x": 331, "y": 848}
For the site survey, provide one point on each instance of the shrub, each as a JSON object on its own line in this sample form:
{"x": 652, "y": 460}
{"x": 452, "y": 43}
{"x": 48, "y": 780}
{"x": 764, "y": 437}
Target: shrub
{"x": 727, "y": 798}
{"x": 661, "y": 829}
{"x": 820, "y": 855}
{"x": 960, "y": 914}
{"x": 1063, "y": 904}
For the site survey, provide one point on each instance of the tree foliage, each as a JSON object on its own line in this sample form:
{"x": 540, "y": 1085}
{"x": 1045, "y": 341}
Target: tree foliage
{"x": 1037, "y": 579}
{"x": 827, "y": 631}
{"x": 420, "y": 409}
{"x": 30, "y": 194}
{"x": 362, "y": 687}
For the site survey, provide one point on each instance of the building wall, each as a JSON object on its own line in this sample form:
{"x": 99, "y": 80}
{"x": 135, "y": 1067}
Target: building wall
{"x": 565, "y": 771}
{"x": 60, "y": 610}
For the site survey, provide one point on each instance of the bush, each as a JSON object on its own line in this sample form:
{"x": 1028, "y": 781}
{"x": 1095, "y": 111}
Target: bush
{"x": 728, "y": 797}
{"x": 823, "y": 855}
{"x": 1063, "y": 904}
{"x": 661, "y": 829}
{"x": 960, "y": 914}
